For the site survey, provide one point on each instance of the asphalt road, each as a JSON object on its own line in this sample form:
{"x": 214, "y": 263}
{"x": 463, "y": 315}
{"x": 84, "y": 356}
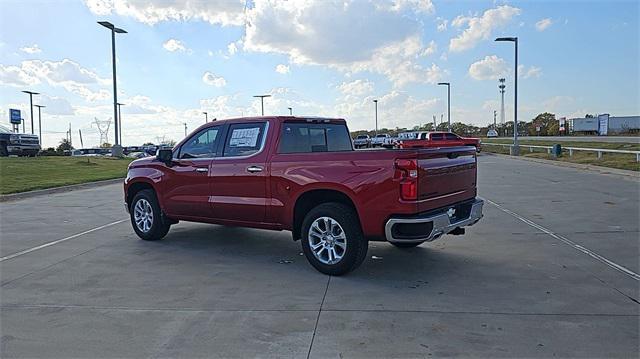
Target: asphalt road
{"x": 552, "y": 270}
{"x": 610, "y": 139}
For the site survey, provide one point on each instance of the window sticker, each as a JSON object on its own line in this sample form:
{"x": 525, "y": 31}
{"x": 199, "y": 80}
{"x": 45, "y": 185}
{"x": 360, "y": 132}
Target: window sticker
{"x": 244, "y": 137}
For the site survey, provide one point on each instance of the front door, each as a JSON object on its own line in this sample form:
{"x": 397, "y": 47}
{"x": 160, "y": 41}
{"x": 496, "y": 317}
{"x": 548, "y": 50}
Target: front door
{"x": 239, "y": 187}
{"x": 188, "y": 181}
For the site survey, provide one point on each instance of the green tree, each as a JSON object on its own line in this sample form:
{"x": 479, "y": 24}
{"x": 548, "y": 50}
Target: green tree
{"x": 65, "y": 145}
{"x": 106, "y": 145}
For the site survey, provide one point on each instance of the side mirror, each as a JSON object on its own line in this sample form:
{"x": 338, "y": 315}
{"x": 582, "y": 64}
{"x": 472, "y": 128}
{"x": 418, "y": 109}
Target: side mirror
{"x": 165, "y": 155}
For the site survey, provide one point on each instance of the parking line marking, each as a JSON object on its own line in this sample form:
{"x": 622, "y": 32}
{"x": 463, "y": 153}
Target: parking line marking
{"x": 49, "y": 244}
{"x": 569, "y": 242}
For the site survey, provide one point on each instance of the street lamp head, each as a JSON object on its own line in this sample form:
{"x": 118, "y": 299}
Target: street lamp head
{"x": 31, "y": 92}
{"x": 444, "y": 83}
{"x": 513, "y": 39}
{"x": 110, "y": 26}
{"x": 376, "y": 101}
{"x": 259, "y": 96}
{"x": 107, "y": 24}
{"x": 40, "y": 106}
{"x": 204, "y": 112}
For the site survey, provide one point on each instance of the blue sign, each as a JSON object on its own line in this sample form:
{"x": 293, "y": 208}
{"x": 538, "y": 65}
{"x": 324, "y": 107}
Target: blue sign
{"x": 16, "y": 118}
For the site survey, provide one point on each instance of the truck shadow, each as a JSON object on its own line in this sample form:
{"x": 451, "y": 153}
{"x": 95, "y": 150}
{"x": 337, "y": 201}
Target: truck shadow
{"x": 265, "y": 248}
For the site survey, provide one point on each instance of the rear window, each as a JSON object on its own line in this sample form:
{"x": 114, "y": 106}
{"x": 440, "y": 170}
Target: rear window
{"x": 314, "y": 137}
{"x": 244, "y": 139}
{"x": 451, "y": 136}
{"x": 362, "y": 137}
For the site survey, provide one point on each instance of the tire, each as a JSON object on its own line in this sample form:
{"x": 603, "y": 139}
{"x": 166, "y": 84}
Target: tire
{"x": 3, "y": 150}
{"x": 150, "y": 229}
{"x": 348, "y": 232}
{"x": 407, "y": 245}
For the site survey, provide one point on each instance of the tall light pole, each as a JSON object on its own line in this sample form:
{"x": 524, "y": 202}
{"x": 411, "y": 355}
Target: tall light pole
{"x": 501, "y": 87}
{"x": 448, "y": 102}
{"x": 31, "y": 93}
{"x": 262, "y": 101}
{"x": 515, "y": 149}
{"x": 376, "y": 104}
{"x": 114, "y": 30}
{"x": 185, "y": 129}
{"x": 120, "y": 121}
{"x": 40, "y": 124}
{"x": 494, "y": 119}
{"x": 290, "y": 111}
{"x": 206, "y": 117}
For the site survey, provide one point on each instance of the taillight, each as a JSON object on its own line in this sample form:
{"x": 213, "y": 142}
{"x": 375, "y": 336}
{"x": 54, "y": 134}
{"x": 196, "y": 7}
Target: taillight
{"x": 407, "y": 172}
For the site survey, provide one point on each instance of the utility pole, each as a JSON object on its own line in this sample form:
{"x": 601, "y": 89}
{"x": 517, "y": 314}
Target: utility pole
{"x": 290, "y": 111}
{"x": 80, "y": 133}
{"x": 31, "y": 93}
{"x": 120, "y": 122}
{"x": 185, "y": 129}
{"x": 494, "y": 119}
{"x": 435, "y": 124}
{"x": 515, "y": 149}
{"x": 115, "y": 149}
{"x": 376, "y": 104}
{"x": 206, "y": 117}
{"x": 40, "y": 123}
{"x": 448, "y": 84}
{"x": 501, "y": 87}
{"x": 262, "y": 101}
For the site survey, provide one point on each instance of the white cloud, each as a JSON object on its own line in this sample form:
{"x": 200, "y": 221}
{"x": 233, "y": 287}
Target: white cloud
{"x": 490, "y": 68}
{"x": 357, "y": 87}
{"x": 543, "y": 24}
{"x": 56, "y": 106}
{"x": 419, "y": 6}
{"x": 232, "y": 48}
{"x": 480, "y": 27}
{"x": 442, "y": 24}
{"x": 66, "y": 74}
{"x": 213, "y": 80}
{"x": 173, "y": 45}
{"x": 34, "y": 49}
{"x": 334, "y": 34}
{"x": 282, "y": 69}
{"x": 430, "y": 50}
{"x": 217, "y": 12}
{"x": 532, "y": 71}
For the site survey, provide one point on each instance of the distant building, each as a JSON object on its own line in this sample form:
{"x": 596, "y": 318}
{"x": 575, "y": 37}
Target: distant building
{"x": 605, "y": 124}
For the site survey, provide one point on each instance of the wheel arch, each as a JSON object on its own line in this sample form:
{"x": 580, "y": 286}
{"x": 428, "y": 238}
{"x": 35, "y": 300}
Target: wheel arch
{"x": 313, "y": 197}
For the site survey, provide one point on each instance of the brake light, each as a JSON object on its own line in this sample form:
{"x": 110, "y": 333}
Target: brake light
{"x": 407, "y": 172}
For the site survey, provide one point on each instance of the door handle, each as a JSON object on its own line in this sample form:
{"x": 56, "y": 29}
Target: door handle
{"x": 201, "y": 170}
{"x": 254, "y": 169}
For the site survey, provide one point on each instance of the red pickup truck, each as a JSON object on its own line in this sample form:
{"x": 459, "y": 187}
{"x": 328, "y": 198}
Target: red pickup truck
{"x": 438, "y": 139}
{"x": 303, "y": 175}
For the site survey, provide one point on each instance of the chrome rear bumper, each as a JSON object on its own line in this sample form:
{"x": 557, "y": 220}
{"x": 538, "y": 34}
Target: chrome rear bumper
{"x": 441, "y": 223}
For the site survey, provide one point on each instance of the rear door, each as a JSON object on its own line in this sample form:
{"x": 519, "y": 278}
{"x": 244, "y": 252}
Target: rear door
{"x": 187, "y": 182}
{"x": 239, "y": 187}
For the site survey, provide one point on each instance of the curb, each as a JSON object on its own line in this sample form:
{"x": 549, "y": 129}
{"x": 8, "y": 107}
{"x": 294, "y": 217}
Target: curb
{"x": 47, "y": 191}
{"x": 627, "y": 174}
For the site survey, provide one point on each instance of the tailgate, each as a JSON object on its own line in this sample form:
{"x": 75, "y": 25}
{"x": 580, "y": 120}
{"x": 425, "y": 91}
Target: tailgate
{"x": 445, "y": 176}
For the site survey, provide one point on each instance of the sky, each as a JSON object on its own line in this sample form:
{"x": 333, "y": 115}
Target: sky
{"x": 180, "y": 58}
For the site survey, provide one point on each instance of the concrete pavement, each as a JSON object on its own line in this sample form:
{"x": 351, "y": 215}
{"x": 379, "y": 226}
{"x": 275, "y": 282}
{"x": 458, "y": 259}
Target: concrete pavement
{"x": 511, "y": 287}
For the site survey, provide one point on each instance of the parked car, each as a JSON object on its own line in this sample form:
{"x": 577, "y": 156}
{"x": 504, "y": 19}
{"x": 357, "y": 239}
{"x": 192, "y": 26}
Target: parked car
{"x": 439, "y": 139}
{"x": 492, "y": 133}
{"x": 362, "y": 141}
{"x": 303, "y": 175}
{"x": 382, "y": 140}
{"x": 20, "y": 144}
